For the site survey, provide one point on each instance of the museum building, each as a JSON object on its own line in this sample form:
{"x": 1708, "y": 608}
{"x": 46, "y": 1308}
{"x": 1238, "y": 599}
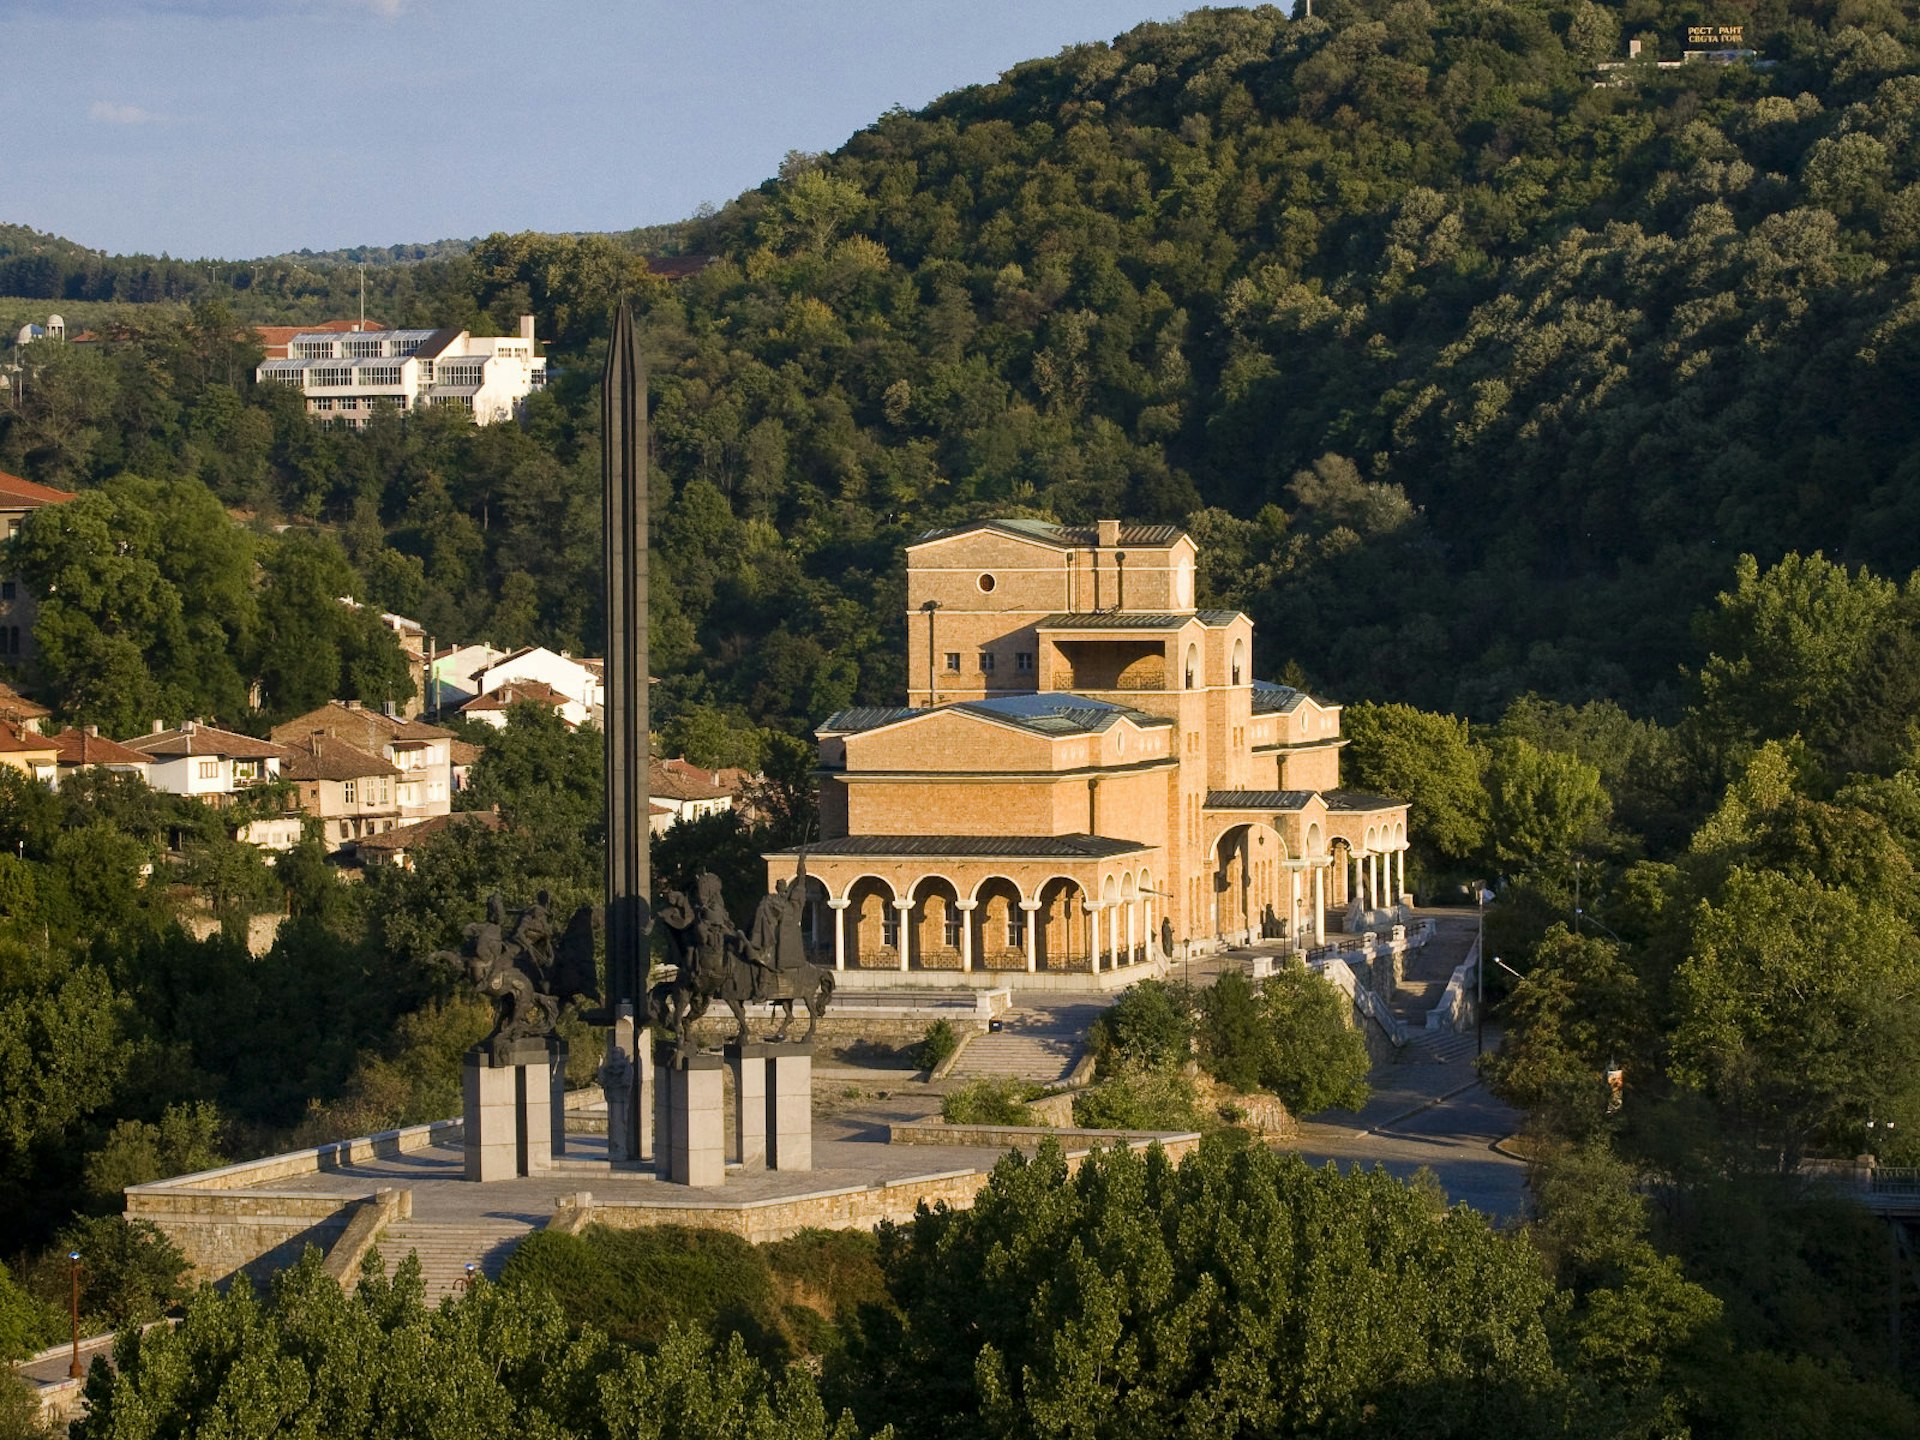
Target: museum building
{"x": 1085, "y": 777}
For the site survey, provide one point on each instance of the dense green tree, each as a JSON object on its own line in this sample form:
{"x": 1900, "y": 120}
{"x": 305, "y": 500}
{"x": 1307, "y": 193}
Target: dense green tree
{"x": 1429, "y": 761}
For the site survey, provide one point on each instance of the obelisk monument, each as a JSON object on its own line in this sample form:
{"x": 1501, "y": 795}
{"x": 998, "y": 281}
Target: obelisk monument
{"x": 624, "y": 724}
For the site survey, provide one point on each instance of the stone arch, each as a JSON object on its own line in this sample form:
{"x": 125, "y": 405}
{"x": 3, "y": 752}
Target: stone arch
{"x": 1239, "y": 658}
{"x": 1315, "y": 844}
{"x": 999, "y": 925}
{"x": 872, "y": 924}
{"x": 1190, "y": 671}
{"x": 933, "y": 924}
{"x": 1061, "y": 936}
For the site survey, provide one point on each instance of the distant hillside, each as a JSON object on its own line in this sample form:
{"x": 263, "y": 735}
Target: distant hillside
{"x": 25, "y": 240}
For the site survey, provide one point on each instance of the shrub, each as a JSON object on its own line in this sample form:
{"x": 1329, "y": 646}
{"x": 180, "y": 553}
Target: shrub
{"x": 1236, "y": 1045}
{"x": 1150, "y": 1027}
{"x": 635, "y": 1284}
{"x": 1289, "y": 1036}
{"x": 26, "y": 1323}
{"x": 936, "y": 1046}
{"x": 1140, "y": 1100}
{"x": 988, "y": 1102}
{"x": 1316, "y": 1059}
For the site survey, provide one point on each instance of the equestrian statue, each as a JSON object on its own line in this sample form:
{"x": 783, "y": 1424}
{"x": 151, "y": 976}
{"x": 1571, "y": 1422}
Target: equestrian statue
{"x": 712, "y": 960}
{"x": 527, "y": 975}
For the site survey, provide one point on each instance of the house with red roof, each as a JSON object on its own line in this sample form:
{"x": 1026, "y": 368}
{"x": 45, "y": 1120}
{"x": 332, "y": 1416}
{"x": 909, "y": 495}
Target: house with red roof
{"x": 88, "y": 749}
{"x": 19, "y": 498}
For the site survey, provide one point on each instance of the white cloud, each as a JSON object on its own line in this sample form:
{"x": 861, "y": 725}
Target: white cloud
{"x": 109, "y": 113}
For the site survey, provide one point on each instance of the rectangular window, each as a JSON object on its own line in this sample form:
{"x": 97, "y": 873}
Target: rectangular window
{"x": 6, "y": 590}
{"x": 349, "y": 791}
{"x": 384, "y": 791}
{"x": 209, "y": 769}
{"x": 890, "y": 928}
{"x": 953, "y": 931}
{"x": 246, "y": 770}
{"x": 953, "y": 662}
{"x": 986, "y": 662}
{"x": 323, "y": 404}
{"x": 1016, "y": 929}
{"x": 346, "y": 831}
{"x": 1023, "y": 660}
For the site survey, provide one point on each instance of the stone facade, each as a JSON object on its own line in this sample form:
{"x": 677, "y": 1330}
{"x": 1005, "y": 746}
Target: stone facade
{"x": 1084, "y": 758}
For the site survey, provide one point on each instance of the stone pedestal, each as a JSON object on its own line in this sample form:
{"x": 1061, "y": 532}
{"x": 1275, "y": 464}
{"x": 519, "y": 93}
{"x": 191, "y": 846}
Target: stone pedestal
{"x": 789, "y": 1106}
{"x": 689, "y": 1117}
{"x": 626, "y": 1079}
{"x": 752, "y": 1110}
{"x": 514, "y": 1116}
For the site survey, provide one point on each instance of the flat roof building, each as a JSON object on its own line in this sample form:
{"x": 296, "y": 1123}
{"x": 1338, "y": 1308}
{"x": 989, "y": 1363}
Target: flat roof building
{"x": 349, "y": 377}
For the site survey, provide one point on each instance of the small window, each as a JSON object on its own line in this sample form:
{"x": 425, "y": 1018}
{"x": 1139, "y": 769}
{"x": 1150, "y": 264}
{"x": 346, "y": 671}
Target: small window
{"x": 986, "y": 584}
{"x": 209, "y": 769}
{"x": 953, "y": 662}
{"x": 1023, "y": 660}
{"x": 890, "y": 929}
{"x": 6, "y": 590}
{"x": 1016, "y": 929}
{"x": 953, "y": 930}
{"x": 986, "y": 662}
{"x": 349, "y": 791}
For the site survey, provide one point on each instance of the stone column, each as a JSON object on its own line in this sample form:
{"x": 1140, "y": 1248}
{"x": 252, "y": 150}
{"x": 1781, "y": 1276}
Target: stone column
{"x": 1293, "y": 909}
{"x": 1319, "y": 905}
{"x": 690, "y": 1117}
{"x": 904, "y": 908}
{"x": 1133, "y": 920}
{"x": 1399, "y": 875}
{"x": 1032, "y": 907}
{"x": 751, "y": 1107}
{"x": 1093, "y": 934}
{"x": 839, "y": 908}
{"x": 1113, "y": 935}
{"x": 1153, "y": 941}
{"x": 966, "y": 908}
{"x": 789, "y": 1125}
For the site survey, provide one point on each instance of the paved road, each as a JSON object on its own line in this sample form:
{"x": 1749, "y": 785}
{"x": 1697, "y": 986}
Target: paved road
{"x": 1453, "y": 1138}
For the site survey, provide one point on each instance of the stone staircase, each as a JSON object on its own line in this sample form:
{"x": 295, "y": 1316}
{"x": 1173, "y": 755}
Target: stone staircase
{"x": 445, "y": 1250}
{"x": 1040, "y": 1046}
{"x": 1440, "y": 1047}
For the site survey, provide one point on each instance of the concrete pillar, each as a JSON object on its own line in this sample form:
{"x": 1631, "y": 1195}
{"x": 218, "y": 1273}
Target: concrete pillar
{"x": 1032, "y": 907}
{"x": 839, "y": 908}
{"x": 1113, "y": 934}
{"x": 1133, "y": 937}
{"x": 966, "y": 907}
{"x": 1319, "y": 905}
{"x": 1093, "y": 934}
{"x": 750, "y": 1104}
{"x": 490, "y": 1126}
{"x": 690, "y": 1117}
{"x": 904, "y": 908}
{"x": 1146, "y": 906}
{"x": 1293, "y": 909}
{"x": 1399, "y": 875}
{"x": 790, "y": 1107}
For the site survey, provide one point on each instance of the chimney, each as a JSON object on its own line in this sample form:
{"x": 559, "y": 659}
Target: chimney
{"x": 1633, "y": 49}
{"x": 353, "y": 704}
{"x": 158, "y": 726}
{"x": 1109, "y": 534}
{"x": 93, "y": 732}
{"x": 526, "y": 328}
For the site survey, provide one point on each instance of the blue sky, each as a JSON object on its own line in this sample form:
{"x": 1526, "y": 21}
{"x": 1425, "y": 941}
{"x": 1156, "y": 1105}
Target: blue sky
{"x": 235, "y": 128}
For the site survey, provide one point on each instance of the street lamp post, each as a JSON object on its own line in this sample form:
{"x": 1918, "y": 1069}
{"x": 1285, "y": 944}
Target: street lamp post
{"x": 1480, "y": 971}
{"x": 74, "y": 1371}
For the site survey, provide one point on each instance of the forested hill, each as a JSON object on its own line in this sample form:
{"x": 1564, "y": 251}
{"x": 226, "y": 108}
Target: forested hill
{"x": 1573, "y": 348}
{"x": 1472, "y": 376}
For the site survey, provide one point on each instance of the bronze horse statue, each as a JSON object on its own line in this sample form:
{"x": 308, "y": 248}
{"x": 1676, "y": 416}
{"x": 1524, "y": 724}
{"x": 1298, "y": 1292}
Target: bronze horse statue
{"x": 712, "y": 960}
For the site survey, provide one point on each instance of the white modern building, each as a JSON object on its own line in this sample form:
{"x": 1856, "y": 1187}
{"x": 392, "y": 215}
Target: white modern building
{"x": 347, "y": 378}
{"x": 581, "y": 681}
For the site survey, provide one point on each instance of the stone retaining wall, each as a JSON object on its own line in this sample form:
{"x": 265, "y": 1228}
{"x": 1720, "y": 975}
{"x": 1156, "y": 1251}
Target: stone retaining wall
{"x": 222, "y": 1232}
{"x": 853, "y": 1208}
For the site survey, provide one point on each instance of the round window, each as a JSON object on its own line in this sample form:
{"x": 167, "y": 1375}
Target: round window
{"x": 986, "y": 583}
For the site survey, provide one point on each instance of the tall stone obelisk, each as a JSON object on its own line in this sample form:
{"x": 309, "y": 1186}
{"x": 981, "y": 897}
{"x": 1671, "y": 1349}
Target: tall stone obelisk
{"x": 625, "y": 724}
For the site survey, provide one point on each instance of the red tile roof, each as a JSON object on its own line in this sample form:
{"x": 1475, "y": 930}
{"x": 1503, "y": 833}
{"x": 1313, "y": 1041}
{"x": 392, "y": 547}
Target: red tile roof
{"x": 16, "y": 492}
{"x": 321, "y": 757}
{"x": 15, "y": 741}
{"x": 515, "y": 691}
{"x": 77, "y": 747}
{"x": 195, "y": 739}
{"x": 677, "y": 780}
{"x": 15, "y": 706}
{"x": 404, "y": 837}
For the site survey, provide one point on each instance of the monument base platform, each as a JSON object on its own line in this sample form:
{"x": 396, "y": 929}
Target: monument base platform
{"x": 515, "y": 1109}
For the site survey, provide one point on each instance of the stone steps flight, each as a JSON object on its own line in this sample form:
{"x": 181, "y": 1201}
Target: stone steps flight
{"x": 445, "y": 1250}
